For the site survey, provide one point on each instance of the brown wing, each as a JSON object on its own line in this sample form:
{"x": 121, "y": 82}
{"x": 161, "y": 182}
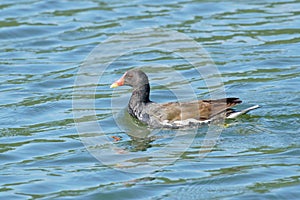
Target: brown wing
{"x": 199, "y": 110}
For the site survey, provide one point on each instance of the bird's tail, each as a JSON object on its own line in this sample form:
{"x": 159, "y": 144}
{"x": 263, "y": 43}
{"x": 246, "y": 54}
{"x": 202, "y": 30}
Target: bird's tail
{"x": 233, "y": 114}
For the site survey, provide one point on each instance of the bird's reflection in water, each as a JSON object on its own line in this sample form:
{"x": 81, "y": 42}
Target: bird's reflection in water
{"x": 140, "y": 135}
{"x": 142, "y": 138}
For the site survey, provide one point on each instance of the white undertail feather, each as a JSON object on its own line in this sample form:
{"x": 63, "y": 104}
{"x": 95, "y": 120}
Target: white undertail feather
{"x": 238, "y": 113}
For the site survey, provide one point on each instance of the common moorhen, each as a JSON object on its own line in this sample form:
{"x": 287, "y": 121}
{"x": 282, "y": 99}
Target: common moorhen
{"x": 173, "y": 114}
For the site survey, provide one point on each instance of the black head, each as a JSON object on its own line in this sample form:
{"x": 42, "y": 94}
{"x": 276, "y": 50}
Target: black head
{"x": 134, "y": 78}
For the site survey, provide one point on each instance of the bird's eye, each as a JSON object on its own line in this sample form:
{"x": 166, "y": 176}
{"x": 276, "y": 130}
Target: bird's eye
{"x": 129, "y": 76}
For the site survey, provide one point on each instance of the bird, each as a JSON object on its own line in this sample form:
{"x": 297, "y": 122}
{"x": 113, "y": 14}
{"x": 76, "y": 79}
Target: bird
{"x": 173, "y": 114}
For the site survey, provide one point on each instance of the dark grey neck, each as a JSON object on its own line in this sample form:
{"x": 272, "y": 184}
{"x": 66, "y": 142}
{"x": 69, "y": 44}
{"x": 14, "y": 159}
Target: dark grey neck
{"x": 140, "y": 94}
{"x": 138, "y": 99}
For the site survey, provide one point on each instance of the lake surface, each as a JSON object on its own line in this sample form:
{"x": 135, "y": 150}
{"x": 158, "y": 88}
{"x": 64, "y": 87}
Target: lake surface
{"x": 66, "y": 137}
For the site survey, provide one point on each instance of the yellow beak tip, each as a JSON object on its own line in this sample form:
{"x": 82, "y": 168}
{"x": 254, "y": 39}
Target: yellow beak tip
{"x": 114, "y": 85}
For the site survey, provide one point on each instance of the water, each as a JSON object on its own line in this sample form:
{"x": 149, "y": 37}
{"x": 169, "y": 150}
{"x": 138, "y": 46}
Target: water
{"x": 254, "y": 45}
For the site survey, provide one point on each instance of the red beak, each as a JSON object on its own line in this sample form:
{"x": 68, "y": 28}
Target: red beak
{"x": 119, "y": 82}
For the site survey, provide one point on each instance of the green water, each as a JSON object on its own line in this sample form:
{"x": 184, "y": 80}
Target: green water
{"x": 255, "y": 47}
